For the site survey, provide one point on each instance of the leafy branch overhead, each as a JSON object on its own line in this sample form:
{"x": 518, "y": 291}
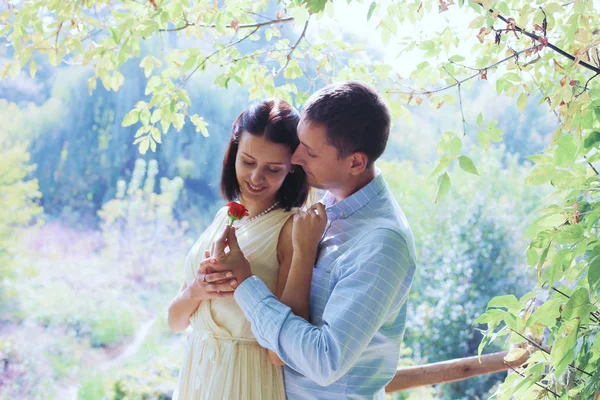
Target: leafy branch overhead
{"x": 538, "y": 54}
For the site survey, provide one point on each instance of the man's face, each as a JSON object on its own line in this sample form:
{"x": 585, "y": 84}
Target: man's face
{"x": 324, "y": 169}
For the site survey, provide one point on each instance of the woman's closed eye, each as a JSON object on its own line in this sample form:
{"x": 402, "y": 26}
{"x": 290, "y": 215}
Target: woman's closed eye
{"x": 270, "y": 169}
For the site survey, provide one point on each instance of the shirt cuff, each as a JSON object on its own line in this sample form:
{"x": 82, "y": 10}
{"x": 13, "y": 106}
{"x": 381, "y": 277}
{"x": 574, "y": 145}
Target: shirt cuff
{"x": 250, "y": 293}
{"x": 265, "y": 313}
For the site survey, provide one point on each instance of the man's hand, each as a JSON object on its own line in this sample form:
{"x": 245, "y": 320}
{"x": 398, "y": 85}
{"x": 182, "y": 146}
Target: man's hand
{"x": 224, "y": 261}
{"x": 308, "y": 229}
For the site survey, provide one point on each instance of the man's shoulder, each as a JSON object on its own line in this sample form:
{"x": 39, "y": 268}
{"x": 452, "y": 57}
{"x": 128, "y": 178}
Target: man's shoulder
{"x": 384, "y": 215}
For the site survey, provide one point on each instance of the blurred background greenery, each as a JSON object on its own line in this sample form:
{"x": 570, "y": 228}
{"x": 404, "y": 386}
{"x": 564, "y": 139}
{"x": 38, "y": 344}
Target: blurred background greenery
{"x": 93, "y": 235}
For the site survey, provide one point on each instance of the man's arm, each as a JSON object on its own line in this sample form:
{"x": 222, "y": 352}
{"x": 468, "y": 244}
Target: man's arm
{"x": 374, "y": 280}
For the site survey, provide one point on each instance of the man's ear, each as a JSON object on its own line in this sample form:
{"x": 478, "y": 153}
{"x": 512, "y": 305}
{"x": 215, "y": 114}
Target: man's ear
{"x": 358, "y": 163}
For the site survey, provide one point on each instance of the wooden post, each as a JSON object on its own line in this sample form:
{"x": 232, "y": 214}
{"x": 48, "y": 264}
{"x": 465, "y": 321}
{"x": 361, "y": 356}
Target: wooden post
{"x": 450, "y": 371}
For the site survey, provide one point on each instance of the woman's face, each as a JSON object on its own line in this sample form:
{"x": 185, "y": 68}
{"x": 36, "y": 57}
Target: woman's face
{"x": 261, "y": 167}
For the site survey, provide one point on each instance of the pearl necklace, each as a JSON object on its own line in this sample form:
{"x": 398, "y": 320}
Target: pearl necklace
{"x": 242, "y": 223}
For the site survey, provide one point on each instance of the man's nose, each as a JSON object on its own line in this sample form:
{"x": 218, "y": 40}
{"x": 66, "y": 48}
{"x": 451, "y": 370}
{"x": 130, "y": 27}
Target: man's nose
{"x": 296, "y": 158}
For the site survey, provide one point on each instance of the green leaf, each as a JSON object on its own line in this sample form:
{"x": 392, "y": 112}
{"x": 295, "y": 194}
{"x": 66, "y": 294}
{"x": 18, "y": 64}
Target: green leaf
{"x": 491, "y": 316}
{"x": 495, "y": 134}
{"x": 455, "y": 146}
{"x": 578, "y": 305}
{"x": 315, "y": 6}
{"x": 543, "y": 256}
{"x": 144, "y": 145}
{"x": 457, "y": 58}
{"x": 145, "y": 116}
{"x": 32, "y": 68}
{"x": 591, "y": 140}
{"x": 189, "y": 63}
{"x": 200, "y": 124}
{"x": 545, "y": 314}
{"x": 484, "y": 139}
{"x": 155, "y": 134}
{"x": 569, "y": 234}
{"x": 479, "y": 119}
{"x": 148, "y": 65}
{"x": 514, "y": 354}
{"x": 300, "y": 15}
{"x": 522, "y": 102}
{"x": 553, "y": 8}
{"x": 551, "y": 220}
{"x": 183, "y": 95}
{"x": 140, "y": 132}
{"x": 467, "y": 164}
{"x": 540, "y": 158}
{"x": 477, "y": 22}
{"x": 508, "y": 301}
{"x": 131, "y": 118}
{"x": 156, "y": 116}
{"x": 538, "y": 176}
{"x": 443, "y": 186}
{"x": 566, "y": 151}
{"x": 91, "y": 84}
{"x": 594, "y": 273}
{"x": 442, "y": 165}
{"x": 532, "y": 256}
{"x": 371, "y": 9}
{"x": 561, "y": 261}
{"x": 563, "y": 349}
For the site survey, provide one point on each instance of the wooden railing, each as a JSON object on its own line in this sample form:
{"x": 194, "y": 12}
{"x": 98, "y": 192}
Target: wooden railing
{"x": 451, "y": 371}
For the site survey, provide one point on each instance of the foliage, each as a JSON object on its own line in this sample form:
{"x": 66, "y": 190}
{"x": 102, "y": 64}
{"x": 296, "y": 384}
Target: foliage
{"x": 546, "y": 49}
{"x": 19, "y": 196}
{"x": 470, "y": 250}
{"x": 139, "y": 226}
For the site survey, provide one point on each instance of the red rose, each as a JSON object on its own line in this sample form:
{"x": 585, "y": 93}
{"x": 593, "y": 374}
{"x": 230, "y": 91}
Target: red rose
{"x": 236, "y": 211}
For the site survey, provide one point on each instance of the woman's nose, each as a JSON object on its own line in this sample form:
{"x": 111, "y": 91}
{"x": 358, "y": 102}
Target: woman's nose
{"x": 257, "y": 176}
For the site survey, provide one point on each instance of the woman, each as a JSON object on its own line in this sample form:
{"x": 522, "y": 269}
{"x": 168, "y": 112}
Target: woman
{"x": 223, "y": 360}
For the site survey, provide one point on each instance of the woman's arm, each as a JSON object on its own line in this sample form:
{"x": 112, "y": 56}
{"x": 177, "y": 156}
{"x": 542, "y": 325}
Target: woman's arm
{"x": 296, "y": 267}
{"x": 189, "y": 298}
{"x": 295, "y": 273}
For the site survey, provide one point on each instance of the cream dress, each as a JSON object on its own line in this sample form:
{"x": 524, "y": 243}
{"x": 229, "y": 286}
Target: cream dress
{"x": 223, "y": 359}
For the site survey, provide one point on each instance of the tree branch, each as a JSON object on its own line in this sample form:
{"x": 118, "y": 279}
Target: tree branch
{"x": 242, "y": 26}
{"x": 586, "y": 85}
{"x": 537, "y": 383}
{"x": 460, "y": 102}
{"x": 558, "y": 116}
{"x": 214, "y": 53}
{"x": 546, "y": 43}
{"x": 289, "y": 56}
{"x": 450, "y": 371}
{"x": 424, "y": 92}
{"x": 568, "y": 297}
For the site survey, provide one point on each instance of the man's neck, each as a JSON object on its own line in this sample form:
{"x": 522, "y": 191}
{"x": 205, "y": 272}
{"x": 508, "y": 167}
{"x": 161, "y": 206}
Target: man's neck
{"x": 354, "y": 185}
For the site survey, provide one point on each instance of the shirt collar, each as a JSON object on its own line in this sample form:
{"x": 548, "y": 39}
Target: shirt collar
{"x": 356, "y": 201}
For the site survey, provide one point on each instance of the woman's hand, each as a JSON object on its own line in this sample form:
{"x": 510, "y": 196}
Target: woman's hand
{"x": 308, "y": 229}
{"x": 209, "y": 284}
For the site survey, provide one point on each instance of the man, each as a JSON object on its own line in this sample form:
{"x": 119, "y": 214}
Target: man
{"x": 366, "y": 260}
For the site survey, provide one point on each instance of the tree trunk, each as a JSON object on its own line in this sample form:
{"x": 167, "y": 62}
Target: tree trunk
{"x": 450, "y": 371}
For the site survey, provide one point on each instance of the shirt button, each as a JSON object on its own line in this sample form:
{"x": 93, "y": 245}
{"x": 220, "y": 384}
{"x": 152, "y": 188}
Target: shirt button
{"x": 341, "y": 213}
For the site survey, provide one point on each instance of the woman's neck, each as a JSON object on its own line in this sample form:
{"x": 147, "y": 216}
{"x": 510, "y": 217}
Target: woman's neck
{"x": 256, "y": 207}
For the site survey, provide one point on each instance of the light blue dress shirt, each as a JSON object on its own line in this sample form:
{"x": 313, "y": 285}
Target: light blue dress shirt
{"x": 358, "y": 301}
